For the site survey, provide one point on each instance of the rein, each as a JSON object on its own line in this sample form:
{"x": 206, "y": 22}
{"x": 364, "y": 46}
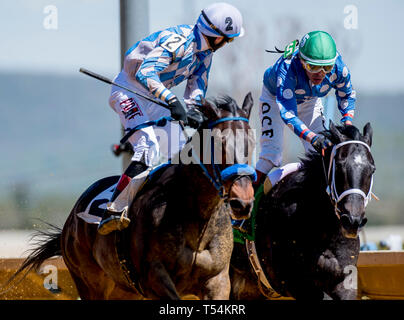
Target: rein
{"x": 160, "y": 122}
{"x": 221, "y": 176}
{"x": 330, "y": 179}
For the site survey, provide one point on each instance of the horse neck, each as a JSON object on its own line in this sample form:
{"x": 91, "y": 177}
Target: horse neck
{"x": 314, "y": 184}
{"x": 199, "y": 192}
{"x": 315, "y": 171}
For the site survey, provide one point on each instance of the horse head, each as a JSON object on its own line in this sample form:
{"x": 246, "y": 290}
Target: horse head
{"x": 227, "y": 144}
{"x": 350, "y": 175}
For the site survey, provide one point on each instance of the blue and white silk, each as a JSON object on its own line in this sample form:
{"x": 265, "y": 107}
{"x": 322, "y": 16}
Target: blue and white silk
{"x": 288, "y": 82}
{"x": 165, "y": 59}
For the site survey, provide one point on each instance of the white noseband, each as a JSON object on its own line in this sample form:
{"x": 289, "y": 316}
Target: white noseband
{"x": 331, "y": 188}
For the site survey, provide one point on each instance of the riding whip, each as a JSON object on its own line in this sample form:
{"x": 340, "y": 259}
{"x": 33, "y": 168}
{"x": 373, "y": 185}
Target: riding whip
{"x": 106, "y": 80}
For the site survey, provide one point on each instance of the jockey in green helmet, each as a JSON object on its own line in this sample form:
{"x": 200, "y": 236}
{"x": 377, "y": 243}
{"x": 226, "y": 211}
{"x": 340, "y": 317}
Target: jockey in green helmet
{"x": 292, "y": 92}
{"x": 318, "y": 53}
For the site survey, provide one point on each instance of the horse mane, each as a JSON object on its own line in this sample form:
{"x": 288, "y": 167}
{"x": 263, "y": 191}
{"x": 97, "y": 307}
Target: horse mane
{"x": 312, "y": 162}
{"x": 226, "y": 103}
{"x": 351, "y": 132}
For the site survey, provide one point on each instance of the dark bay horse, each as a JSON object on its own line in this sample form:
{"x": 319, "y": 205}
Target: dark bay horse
{"x": 306, "y": 229}
{"x": 179, "y": 241}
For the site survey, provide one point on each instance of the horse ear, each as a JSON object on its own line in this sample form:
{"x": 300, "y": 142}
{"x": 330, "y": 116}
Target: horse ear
{"x": 209, "y": 110}
{"x": 248, "y": 104}
{"x": 335, "y": 131}
{"x": 367, "y": 134}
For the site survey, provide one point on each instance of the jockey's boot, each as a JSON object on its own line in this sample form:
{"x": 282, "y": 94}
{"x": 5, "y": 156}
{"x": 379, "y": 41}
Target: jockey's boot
{"x": 112, "y": 221}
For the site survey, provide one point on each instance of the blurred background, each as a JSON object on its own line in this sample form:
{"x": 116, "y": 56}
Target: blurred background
{"x": 57, "y": 127}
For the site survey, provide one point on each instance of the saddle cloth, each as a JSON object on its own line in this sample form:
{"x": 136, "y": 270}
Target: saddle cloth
{"x": 94, "y": 210}
{"x": 97, "y": 205}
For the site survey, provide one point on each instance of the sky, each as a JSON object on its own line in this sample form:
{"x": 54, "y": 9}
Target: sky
{"x": 87, "y": 35}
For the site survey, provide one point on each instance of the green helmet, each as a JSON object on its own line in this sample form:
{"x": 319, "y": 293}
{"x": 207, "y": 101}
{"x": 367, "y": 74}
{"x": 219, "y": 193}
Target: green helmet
{"x": 318, "y": 48}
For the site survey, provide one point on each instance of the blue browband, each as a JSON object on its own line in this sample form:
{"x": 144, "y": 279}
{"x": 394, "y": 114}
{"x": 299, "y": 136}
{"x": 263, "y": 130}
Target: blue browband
{"x": 238, "y": 170}
{"x": 213, "y": 123}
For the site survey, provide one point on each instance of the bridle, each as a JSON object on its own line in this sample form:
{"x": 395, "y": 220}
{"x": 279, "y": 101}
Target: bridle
{"x": 330, "y": 179}
{"x": 221, "y": 176}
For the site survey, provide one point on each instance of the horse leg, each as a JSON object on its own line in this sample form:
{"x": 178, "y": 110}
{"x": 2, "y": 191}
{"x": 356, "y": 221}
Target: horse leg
{"x": 342, "y": 292}
{"x": 97, "y": 286}
{"x": 122, "y": 294}
{"x": 82, "y": 289}
{"x": 243, "y": 286}
{"x": 91, "y": 281}
{"x": 162, "y": 285}
{"x": 306, "y": 290}
{"x": 218, "y": 287}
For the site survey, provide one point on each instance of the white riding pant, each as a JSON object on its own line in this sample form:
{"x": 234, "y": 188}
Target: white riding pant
{"x": 154, "y": 143}
{"x": 271, "y": 140}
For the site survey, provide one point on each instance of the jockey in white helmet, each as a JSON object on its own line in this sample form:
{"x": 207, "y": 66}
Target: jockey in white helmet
{"x": 220, "y": 23}
{"x": 152, "y": 66}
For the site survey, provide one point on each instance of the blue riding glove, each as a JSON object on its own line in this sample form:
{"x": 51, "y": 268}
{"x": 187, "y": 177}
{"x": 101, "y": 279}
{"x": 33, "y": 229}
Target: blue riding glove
{"x": 320, "y": 142}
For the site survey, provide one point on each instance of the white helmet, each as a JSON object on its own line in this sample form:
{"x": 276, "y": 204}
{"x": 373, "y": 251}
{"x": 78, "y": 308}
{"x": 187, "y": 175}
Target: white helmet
{"x": 221, "y": 20}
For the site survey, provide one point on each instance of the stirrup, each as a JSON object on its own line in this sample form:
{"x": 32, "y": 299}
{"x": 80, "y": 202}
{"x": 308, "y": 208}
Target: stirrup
{"x": 114, "y": 222}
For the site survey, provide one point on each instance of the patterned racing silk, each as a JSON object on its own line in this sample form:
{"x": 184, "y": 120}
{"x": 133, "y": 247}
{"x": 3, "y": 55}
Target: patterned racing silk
{"x": 287, "y": 80}
{"x": 165, "y": 59}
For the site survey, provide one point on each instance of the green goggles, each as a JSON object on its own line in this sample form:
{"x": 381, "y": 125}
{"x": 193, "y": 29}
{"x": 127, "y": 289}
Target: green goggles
{"x": 316, "y": 69}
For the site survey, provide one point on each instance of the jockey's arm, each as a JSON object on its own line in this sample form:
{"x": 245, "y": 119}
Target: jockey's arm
{"x": 149, "y": 76}
{"x": 346, "y": 95}
{"x": 289, "y": 116}
{"x": 197, "y": 83}
{"x": 148, "y": 73}
{"x": 286, "y": 101}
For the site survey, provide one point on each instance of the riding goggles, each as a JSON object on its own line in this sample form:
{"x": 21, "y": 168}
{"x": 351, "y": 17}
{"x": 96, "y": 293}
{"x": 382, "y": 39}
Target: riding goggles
{"x": 226, "y": 38}
{"x": 316, "y": 69}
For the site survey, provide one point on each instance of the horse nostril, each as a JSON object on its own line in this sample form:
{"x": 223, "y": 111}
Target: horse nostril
{"x": 345, "y": 220}
{"x": 349, "y": 221}
{"x": 248, "y": 207}
{"x": 241, "y": 205}
{"x": 236, "y": 204}
{"x": 363, "y": 222}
